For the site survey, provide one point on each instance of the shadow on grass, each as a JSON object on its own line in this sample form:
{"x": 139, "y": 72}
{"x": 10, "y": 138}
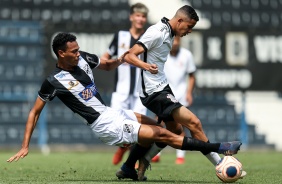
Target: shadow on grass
{"x": 148, "y": 181}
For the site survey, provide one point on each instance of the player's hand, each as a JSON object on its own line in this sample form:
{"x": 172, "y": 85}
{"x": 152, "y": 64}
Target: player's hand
{"x": 21, "y": 154}
{"x": 121, "y": 58}
{"x": 153, "y": 69}
{"x": 189, "y": 99}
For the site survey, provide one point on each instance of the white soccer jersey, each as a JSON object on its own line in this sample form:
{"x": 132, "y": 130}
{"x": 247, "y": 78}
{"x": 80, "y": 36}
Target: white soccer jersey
{"x": 157, "y": 42}
{"x": 177, "y": 68}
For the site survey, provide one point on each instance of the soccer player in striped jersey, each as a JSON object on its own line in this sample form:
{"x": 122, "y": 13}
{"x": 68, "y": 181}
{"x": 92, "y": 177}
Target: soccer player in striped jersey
{"x": 73, "y": 83}
{"x": 125, "y": 94}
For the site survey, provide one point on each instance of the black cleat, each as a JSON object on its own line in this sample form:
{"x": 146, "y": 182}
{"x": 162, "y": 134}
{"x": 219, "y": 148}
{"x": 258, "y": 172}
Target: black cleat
{"x": 128, "y": 173}
{"x": 144, "y": 164}
{"x": 229, "y": 148}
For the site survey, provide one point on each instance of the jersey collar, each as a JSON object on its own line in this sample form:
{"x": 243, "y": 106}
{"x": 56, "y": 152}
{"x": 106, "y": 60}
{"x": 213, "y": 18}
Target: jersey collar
{"x": 165, "y": 21}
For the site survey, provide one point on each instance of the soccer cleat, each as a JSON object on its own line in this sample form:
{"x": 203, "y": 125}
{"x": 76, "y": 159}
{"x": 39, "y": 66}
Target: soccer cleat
{"x": 128, "y": 173}
{"x": 118, "y": 155}
{"x": 179, "y": 161}
{"x": 156, "y": 158}
{"x": 244, "y": 173}
{"x": 143, "y": 166}
{"x": 229, "y": 148}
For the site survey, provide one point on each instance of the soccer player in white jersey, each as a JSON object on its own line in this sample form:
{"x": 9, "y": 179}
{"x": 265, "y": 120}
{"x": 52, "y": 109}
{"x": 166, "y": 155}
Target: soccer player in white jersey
{"x": 73, "y": 83}
{"x": 179, "y": 69}
{"x": 125, "y": 94}
{"x": 155, "y": 92}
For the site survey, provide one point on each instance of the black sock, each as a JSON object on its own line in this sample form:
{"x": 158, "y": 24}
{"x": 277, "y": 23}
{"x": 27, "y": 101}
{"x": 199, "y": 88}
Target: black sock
{"x": 135, "y": 154}
{"x": 161, "y": 145}
{"x": 206, "y": 152}
{"x": 197, "y": 145}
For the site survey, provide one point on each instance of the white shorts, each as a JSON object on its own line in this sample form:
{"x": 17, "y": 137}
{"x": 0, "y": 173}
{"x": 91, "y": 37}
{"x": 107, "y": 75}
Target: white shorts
{"x": 117, "y": 127}
{"x": 120, "y": 101}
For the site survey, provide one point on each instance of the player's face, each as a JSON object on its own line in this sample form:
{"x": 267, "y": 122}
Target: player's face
{"x": 185, "y": 26}
{"x": 138, "y": 20}
{"x": 71, "y": 55}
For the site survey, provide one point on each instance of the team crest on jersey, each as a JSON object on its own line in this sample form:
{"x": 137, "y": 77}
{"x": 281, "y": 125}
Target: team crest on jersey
{"x": 172, "y": 98}
{"x": 123, "y": 46}
{"x": 128, "y": 128}
{"x": 72, "y": 84}
{"x": 88, "y": 92}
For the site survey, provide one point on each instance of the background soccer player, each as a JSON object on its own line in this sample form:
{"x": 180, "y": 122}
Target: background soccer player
{"x": 125, "y": 95}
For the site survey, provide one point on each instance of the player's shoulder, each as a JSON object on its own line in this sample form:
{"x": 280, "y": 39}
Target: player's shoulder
{"x": 156, "y": 31}
{"x": 185, "y": 51}
{"x": 123, "y": 31}
{"x": 91, "y": 59}
{"x": 159, "y": 27}
{"x": 86, "y": 55}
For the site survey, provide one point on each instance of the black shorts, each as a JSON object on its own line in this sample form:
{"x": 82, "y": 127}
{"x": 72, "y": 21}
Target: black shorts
{"x": 161, "y": 103}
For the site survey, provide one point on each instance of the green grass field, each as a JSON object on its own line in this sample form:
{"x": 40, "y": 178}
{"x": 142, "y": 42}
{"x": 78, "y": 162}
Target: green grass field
{"x": 96, "y": 167}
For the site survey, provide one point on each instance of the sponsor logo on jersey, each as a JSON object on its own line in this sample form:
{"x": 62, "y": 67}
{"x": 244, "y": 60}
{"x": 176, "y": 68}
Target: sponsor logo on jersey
{"x": 88, "y": 92}
{"x": 172, "y": 98}
{"x": 128, "y": 128}
{"x": 72, "y": 84}
{"x": 163, "y": 28}
{"x": 161, "y": 83}
{"x": 60, "y": 75}
{"x": 123, "y": 46}
{"x": 87, "y": 69}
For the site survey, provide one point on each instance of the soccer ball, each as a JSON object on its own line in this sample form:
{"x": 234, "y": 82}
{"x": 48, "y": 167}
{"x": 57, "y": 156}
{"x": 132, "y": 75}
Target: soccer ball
{"x": 229, "y": 169}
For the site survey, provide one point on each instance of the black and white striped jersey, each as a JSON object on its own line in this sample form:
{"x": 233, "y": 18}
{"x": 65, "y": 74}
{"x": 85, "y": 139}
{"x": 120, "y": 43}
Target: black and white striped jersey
{"x": 126, "y": 76}
{"x": 76, "y": 89}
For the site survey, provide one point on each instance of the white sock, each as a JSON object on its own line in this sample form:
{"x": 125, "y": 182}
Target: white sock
{"x": 153, "y": 151}
{"x": 180, "y": 153}
{"x": 213, "y": 157}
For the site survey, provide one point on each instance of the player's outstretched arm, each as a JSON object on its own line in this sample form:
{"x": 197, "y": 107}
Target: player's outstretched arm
{"x": 30, "y": 125}
{"x": 110, "y": 64}
{"x": 132, "y": 59}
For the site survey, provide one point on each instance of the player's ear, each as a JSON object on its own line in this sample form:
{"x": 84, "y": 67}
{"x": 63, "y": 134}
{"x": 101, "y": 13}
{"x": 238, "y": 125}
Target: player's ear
{"x": 61, "y": 53}
{"x": 131, "y": 18}
{"x": 180, "y": 20}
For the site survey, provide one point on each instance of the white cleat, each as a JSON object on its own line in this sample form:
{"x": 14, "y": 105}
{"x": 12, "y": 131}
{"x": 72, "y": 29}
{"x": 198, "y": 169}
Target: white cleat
{"x": 244, "y": 173}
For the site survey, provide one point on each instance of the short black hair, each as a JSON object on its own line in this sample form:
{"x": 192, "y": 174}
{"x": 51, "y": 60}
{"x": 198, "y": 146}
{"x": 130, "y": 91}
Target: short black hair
{"x": 60, "y": 42}
{"x": 189, "y": 12}
{"x": 139, "y": 8}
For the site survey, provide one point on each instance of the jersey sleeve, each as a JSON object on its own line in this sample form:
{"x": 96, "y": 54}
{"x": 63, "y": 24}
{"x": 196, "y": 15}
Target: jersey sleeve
{"x": 92, "y": 59}
{"x": 47, "y": 91}
{"x": 113, "y": 48}
{"x": 150, "y": 39}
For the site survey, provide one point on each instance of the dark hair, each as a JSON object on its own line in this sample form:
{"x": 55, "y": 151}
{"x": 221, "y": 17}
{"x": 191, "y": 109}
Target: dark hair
{"x": 189, "y": 12}
{"x": 60, "y": 42}
{"x": 140, "y": 8}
